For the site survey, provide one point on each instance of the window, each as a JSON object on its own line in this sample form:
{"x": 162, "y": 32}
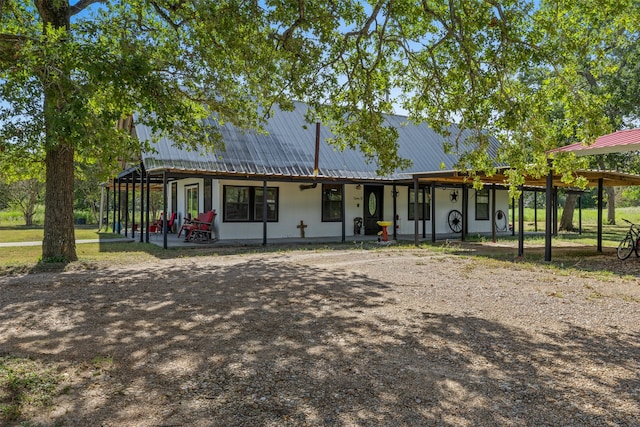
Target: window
{"x": 174, "y": 197}
{"x": 424, "y": 207}
{"x": 331, "y": 202}
{"x": 482, "y": 204}
{"x": 246, "y": 204}
{"x": 192, "y": 200}
{"x": 272, "y": 204}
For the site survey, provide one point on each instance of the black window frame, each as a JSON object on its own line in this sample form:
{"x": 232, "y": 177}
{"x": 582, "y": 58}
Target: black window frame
{"x": 484, "y": 192}
{"x": 251, "y": 204}
{"x": 425, "y": 214}
{"x": 326, "y": 210}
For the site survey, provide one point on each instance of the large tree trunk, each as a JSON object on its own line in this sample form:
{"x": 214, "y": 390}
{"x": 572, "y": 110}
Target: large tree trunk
{"x": 611, "y": 205}
{"x": 59, "y": 235}
{"x": 566, "y": 221}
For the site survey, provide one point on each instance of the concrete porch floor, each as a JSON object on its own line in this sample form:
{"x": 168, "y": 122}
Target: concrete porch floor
{"x": 173, "y": 241}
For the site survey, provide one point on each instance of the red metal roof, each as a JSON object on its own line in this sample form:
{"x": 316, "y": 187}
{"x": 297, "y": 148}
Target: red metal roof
{"x": 617, "y": 142}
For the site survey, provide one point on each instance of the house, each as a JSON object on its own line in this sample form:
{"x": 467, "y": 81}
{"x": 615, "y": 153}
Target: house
{"x": 264, "y": 186}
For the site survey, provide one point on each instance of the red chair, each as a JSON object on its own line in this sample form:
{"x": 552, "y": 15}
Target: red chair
{"x": 170, "y": 222}
{"x": 200, "y": 229}
{"x": 189, "y": 222}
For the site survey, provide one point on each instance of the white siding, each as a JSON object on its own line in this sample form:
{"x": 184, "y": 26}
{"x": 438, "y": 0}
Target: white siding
{"x": 295, "y": 205}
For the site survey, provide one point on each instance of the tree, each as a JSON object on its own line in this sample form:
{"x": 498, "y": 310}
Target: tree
{"x": 606, "y": 66}
{"x": 68, "y": 72}
{"x": 26, "y": 195}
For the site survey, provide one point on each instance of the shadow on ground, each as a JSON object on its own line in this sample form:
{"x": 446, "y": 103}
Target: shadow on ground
{"x": 258, "y": 342}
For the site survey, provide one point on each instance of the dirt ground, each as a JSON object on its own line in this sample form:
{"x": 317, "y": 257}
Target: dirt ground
{"x": 383, "y": 337}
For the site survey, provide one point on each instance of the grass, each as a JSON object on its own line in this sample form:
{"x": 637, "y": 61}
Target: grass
{"x": 13, "y": 234}
{"x": 26, "y": 258}
{"x": 25, "y": 383}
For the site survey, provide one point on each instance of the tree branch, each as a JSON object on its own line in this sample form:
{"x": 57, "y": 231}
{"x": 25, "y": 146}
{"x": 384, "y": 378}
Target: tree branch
{"x": 82, "y": 5}
{"x": 9, "y": 47}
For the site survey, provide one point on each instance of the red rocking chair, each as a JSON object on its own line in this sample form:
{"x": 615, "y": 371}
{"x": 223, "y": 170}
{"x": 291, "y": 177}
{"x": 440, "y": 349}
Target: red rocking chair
{"x": 200, "y": 229}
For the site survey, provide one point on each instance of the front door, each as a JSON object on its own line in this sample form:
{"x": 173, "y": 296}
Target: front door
{"x": 372, "y": 209}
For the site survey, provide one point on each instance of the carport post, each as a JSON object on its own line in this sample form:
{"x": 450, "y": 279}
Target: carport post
{"x": 600, "y": 187}
{"x": 580, "y": 214}
{"x": 549, "y": 213}
{"x": 555, "y": 211}
{"x": 521, "y": 223}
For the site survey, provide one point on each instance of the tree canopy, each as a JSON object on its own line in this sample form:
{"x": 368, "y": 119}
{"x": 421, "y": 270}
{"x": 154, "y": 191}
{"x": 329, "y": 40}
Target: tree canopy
{"x": 69, "y": 71}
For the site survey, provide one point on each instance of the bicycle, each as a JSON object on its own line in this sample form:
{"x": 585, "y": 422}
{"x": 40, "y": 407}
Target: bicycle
{"x": 630, "y": 242}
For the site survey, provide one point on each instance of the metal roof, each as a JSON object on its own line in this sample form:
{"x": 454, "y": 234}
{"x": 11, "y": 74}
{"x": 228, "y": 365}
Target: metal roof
{"x": 287, "y": 150}
{"x": 617, "y": 142}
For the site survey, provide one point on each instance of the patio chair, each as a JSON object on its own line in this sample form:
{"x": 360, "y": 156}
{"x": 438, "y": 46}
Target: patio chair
{"x": 200, "y": 230}
{"x": 170, "y": 223}
{"x": 188, "y": 222}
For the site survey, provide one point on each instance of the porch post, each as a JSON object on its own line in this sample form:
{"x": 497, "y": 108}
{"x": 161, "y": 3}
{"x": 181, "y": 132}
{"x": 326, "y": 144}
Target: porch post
{"x": 343, "y": 212}
{"x": 549, "y": 213}
{"x": 513, "y": 216}
{"x": 521, "y": 223}
{"x": 465, "y": 213}
{"x": 119, "y": 206}
{"x": 600, "y": 188}
{"x": 264, "y": 213}
{"x": 395, "y": 212}
{"x": 113, "y": 228}
{"x": 416, "y": 239}
{"x": 493, "y": 213}
{"x": 148, "y": 203}
{"x": 433, "y": 212}
{"x": 535, "y": 210}
{"x": 101, "y": 208}
{"x": 126, "y": 207}
{"x": 164, "y": 209}
{"x": 424, "y": 217}
{"x": 133, "y": 204}
{"x": 142, "y": 222}
{"x": 106, "y": 226}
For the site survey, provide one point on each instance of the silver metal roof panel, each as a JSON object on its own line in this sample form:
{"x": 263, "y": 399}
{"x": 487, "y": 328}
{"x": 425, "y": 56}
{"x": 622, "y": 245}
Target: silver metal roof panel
{"x": 288, "y": 150}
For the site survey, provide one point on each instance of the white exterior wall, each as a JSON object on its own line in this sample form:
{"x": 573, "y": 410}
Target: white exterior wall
{"x": 182, "y": 204}
{"x": 295, "y": 205}
{"x": 444, "y": 205}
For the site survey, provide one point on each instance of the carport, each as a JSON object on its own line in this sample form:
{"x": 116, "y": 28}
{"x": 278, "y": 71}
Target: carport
{"x": 618, "y": 142}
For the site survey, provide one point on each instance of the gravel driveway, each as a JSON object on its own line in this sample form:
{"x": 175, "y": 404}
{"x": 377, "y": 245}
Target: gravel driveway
{"x": 385, "y": 337}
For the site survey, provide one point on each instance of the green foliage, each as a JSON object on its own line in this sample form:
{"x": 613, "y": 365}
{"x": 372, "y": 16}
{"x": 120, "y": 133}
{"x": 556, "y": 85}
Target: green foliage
{"x": 521, "y": 70}
{"x": 629, "y": 196}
